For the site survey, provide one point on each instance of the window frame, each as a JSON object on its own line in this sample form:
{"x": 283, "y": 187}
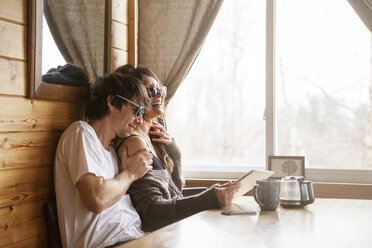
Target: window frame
{"x": 359, "y": 176}
{"x": 37, "y": 89}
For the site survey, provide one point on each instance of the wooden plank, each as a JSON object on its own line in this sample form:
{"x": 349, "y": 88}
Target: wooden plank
{"x": 133, "y": 32}
{"x": 40, "y": 241}
{"x": 22, "y": 150}
{"x": 119, "y": 36}
{"x": 14, "y": 10}
{"x": 25, "y": 185}
{"x": 118, "y": 58}
{"x": 59, "y": 92}
{"x": 19, "y": 114}
{"x": 108, "y": 30}
{"x": 120, "y": 11}
{"x": 13, "y": 77}
{"x": 343, "y": 190}
{"x": 22, "y": 224}
{"x": 13, "y": 40}
{"x": 203, "y": 182}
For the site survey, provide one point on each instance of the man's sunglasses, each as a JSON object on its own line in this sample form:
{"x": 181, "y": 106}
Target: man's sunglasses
{"x": 154, "y": 91}
{"x": 140, "y": 111}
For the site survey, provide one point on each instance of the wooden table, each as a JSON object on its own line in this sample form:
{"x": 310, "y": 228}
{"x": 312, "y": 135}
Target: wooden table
{"x": 325, "y": 223}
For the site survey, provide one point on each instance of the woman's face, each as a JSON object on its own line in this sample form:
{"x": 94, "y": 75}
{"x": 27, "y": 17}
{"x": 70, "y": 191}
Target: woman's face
{"x": 156, "y": 101}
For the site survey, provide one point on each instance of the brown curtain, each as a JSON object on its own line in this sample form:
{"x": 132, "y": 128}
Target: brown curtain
{"x": 364, "y": 10}
{"x": 170, "y": 35}
{"x": 78, "y": 28}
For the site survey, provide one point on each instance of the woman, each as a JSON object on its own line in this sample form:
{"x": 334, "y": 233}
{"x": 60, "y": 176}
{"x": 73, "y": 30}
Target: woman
{"x": 157, "y": 196}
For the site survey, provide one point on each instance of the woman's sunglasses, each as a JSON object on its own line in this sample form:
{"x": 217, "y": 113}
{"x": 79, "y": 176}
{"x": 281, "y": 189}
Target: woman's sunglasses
{"x": 154, "y": 91}
{"x": 140, "y": 110}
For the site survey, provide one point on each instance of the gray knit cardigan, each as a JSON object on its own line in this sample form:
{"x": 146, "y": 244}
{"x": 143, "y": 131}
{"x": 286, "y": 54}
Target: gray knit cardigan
{"x": 158, "y": 199}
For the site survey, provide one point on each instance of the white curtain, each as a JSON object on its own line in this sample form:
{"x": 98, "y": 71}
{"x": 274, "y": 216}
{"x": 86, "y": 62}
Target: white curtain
{"x": 78, "y": 28}
{"x": 170, "y": 35}
{"x": 364, "y": 10}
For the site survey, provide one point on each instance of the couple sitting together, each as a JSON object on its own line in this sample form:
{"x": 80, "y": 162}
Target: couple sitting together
{"x": 118, "y": 174}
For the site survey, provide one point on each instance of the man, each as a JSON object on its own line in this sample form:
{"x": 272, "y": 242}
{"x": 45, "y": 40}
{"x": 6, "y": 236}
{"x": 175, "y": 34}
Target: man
{"x": 90, "y": 182}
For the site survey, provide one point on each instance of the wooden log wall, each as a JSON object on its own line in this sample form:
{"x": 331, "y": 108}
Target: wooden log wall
{"x": 30, "y": 129}
{"x": 29, "y": 133}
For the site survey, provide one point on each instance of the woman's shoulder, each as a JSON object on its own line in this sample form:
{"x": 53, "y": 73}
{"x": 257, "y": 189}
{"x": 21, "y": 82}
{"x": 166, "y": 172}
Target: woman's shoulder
{"x": 134, "y": 143}
{"x": 133, "y": 139}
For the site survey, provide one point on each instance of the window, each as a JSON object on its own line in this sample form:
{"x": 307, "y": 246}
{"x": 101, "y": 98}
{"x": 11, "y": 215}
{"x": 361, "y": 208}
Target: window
{"x": 216, "y": 115}
{"x": 320, "y": 91}
{"x": 41, "y": 61}
{"x": 323, "y": 84}
{"x": 52, "y": 57}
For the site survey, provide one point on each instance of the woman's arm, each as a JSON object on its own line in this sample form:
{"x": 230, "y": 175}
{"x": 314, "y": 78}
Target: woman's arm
{"x": 159, "y": 203}
{"x": 174, "y": 153}
{"x": 156, "y": 211}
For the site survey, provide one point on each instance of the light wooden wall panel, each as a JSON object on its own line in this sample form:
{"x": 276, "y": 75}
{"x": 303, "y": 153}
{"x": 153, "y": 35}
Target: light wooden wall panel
{"x": 13, "y": 40}
{"x": 30, "y": 149}
{"x": 118, "y": 58}
{"x": 20, "y": 223}
{"x": 30, "y": 129}
{"x": 25, "y": 115}
{"x": 29, "y": 133}
{"x": 121, "y": 34}
{"x": 132, "y": 32}
{"x": 25, "y": 185}
{"x": 120, "y": 11}
{"x": 14, "y": 10}
{"x": 119, "y": 38}
{"x": 13, "y": 75}
{"x": 39, "y": 241}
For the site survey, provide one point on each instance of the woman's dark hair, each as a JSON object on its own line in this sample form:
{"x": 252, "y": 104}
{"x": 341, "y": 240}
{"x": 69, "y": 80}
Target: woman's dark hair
{"x": 111, "y": 85}
{"x": 140, "y": 72}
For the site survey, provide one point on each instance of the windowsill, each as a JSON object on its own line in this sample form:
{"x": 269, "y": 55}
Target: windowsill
{"x": 345, "y": 184}
{"x": 321, "y": 189}
{"x": 362, "y": 176}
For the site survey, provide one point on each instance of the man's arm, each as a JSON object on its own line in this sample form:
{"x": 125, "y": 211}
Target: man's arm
{"x": 98, "y": 193}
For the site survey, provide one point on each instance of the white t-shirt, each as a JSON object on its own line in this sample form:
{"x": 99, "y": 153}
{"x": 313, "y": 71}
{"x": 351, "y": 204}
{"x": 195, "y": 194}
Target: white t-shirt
{"x": 79, "y": 152}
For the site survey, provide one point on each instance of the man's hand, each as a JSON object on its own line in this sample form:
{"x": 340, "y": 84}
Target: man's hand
{"x": 225, "y": 193}
{"x": 98, "y": 193}
{"x": 136, "y": 165}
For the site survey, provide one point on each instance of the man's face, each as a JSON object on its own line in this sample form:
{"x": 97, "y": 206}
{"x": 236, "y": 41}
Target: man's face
{"x": 126, "y": 120}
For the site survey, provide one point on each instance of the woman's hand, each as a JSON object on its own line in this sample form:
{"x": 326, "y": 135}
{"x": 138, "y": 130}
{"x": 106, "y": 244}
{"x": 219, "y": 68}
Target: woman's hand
{"x": 159, "y": 130}
{"x": 225, "y": 193}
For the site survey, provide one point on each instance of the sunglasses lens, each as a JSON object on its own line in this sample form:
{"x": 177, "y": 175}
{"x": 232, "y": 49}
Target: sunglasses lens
{"x": 140, "y": 111}
{"x": 153, "y": 92}
{"x": 163, "y": 90}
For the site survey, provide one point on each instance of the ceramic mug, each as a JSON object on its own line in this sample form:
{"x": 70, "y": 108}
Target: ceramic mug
{"x": 266, "y": 193}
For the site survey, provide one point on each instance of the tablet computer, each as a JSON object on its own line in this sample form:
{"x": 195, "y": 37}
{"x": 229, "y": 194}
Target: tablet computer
{"x": 248, "y": 181}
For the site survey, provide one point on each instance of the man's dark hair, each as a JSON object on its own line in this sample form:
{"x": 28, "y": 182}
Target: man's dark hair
{"x": 111, "y": 85}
